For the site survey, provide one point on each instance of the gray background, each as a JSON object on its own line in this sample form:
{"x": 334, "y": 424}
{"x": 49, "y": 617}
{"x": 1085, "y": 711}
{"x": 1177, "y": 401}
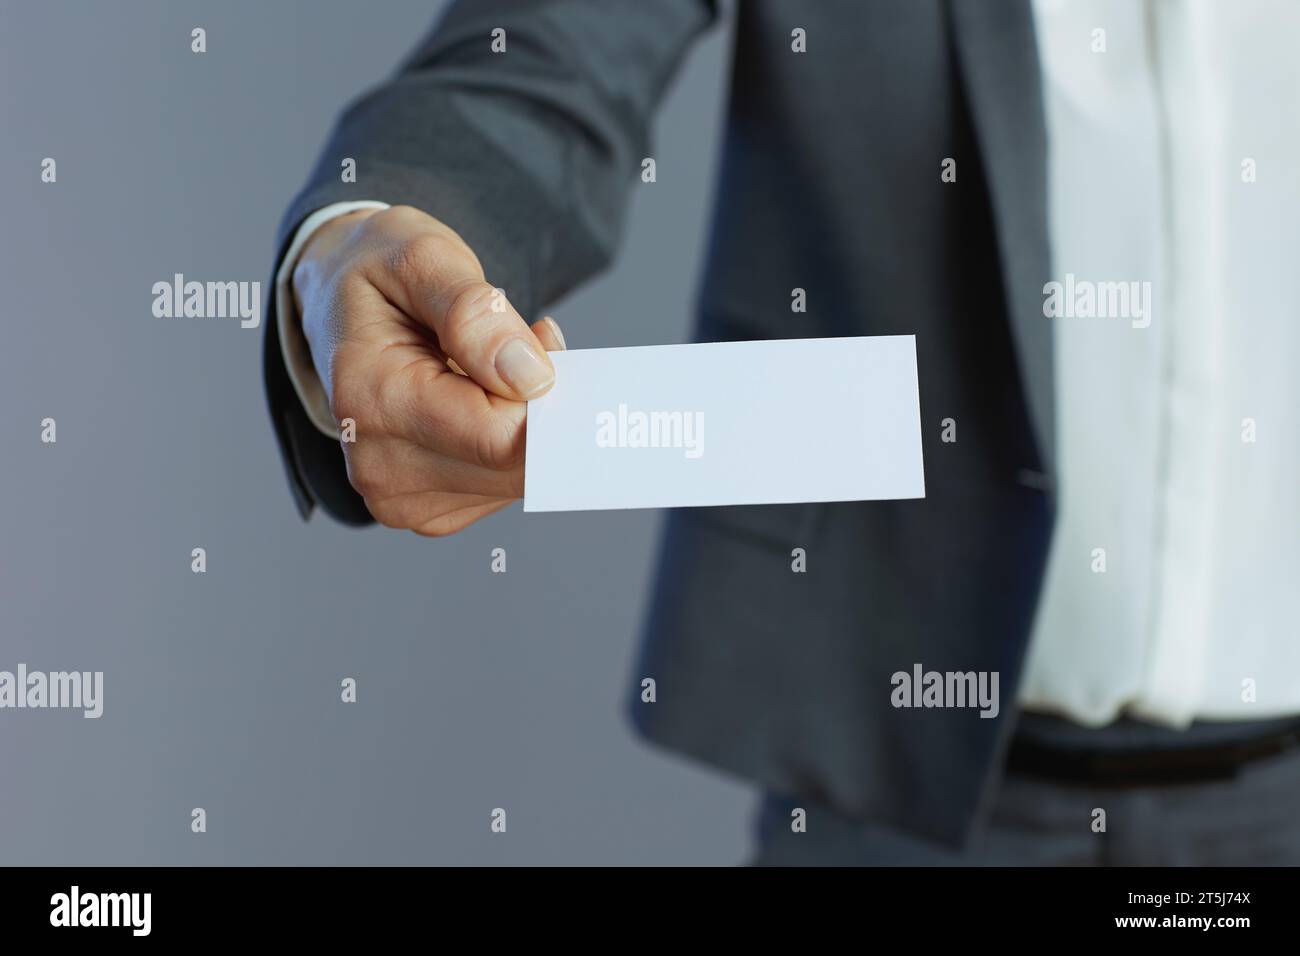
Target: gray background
{"x": 476, "y": 690}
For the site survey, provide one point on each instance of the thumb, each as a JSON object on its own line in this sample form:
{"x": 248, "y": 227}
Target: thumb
{"x": 481, "y": 332}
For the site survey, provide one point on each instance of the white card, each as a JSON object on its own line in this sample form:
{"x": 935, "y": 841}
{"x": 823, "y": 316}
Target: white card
{"x": 727, "y": 423}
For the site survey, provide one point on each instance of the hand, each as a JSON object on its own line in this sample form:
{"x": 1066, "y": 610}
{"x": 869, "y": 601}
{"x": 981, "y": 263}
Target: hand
{"x": 428, "y": 359}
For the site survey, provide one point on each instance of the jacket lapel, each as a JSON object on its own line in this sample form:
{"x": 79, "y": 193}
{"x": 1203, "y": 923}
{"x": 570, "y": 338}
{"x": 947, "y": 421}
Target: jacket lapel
{"x": 998, "y": 59}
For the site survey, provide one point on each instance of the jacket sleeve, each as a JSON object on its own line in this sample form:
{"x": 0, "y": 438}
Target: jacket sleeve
{"x": 519, "y": 123}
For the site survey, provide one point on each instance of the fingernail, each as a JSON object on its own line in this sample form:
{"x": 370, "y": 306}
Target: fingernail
{"x": 555, "y": 327}
{"x": 523, "y": 369}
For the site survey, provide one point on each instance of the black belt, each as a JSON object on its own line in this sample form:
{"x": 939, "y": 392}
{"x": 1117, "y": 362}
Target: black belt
{"x": 1146, "y": 768}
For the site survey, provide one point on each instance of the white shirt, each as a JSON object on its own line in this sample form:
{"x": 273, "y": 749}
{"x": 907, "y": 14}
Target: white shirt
{"x": 1200, "y": 529}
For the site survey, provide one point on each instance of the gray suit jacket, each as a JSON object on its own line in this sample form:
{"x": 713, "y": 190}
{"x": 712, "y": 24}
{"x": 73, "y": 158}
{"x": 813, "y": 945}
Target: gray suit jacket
{"x": 830, "y": 181}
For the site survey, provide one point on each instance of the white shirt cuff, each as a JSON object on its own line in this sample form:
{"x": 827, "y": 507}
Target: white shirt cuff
{"x": 293, "y": 344}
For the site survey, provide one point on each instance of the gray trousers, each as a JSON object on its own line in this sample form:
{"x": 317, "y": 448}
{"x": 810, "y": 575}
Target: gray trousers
{"x": 1252, "y": 819}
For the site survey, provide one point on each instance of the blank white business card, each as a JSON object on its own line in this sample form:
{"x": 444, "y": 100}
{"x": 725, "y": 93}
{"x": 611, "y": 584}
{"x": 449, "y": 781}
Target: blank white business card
{"x": 727, "y": 423}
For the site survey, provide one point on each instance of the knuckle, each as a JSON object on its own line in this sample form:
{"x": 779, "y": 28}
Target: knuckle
{"x": 350, "y": 287}
{"x": 466, "y": 315}
{"x": 443, "y": 525}
{"x": 402, "y": 212}
{"x": 366, "y": 483}
{"x": 418, "y": 255}
{"x": 386, "y": 515}
{"x": 396, "y": 409}
{"x": 496, "y": 444}
{"x": 366, "y": 477}
{"x": 384, "y": 219}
